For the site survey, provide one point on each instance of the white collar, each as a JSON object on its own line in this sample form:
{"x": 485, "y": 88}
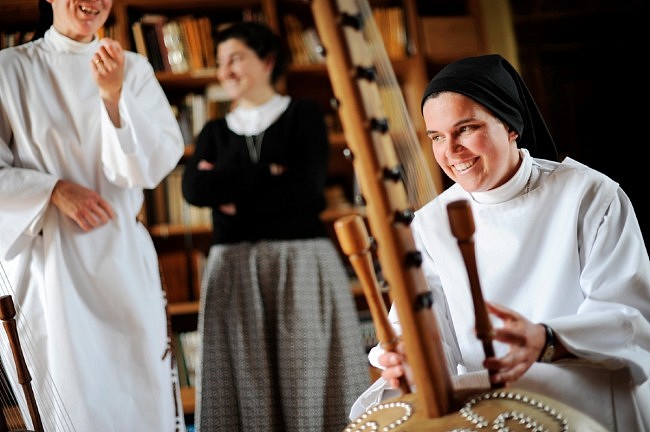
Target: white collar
{"x": 252, "y": 121}
{"x": 64, "y": 44}
{"x": 519, "y": 184}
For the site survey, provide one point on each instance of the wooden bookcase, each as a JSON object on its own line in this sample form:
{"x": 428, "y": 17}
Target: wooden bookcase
{"x": 430, "y": 41}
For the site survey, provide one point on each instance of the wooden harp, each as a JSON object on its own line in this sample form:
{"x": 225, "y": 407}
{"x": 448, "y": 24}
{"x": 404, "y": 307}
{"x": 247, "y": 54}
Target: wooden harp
{"x": 8, "y": 317}
{"x": 379, "y": 174}
{"x": 24, "y": 409}
{"x": 435, "y": 405}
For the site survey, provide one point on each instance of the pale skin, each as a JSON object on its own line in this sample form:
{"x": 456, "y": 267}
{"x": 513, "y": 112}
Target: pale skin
{"x": 479, "y": 152}
{"x": 247, "y": 80}
{"x": 80, "y": 21}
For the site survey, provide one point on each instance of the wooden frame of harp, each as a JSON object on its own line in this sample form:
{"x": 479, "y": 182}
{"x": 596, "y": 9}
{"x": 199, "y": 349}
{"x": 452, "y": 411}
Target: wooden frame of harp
{"x": 7, "y": 315}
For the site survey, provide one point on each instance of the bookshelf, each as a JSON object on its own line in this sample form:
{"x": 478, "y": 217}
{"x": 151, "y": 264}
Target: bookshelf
{"x": 419, "y": 41}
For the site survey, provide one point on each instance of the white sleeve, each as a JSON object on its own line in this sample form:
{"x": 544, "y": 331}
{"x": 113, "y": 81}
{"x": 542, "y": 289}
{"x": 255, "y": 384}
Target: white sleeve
{"x": 149, "y": 143}
{"x": 379, "y": 391}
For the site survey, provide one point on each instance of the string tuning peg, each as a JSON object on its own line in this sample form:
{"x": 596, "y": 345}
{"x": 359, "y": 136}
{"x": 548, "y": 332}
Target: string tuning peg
{"x": 404, "y": 216}
{"x": 369, "y": 73}
{"x": 352, "y": 20}
{"x": 379, "y": 125}
{"x": 395, "y": 173}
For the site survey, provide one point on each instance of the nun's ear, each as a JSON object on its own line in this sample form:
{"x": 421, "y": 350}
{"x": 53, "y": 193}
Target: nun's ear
{"x": 513, "y": 135}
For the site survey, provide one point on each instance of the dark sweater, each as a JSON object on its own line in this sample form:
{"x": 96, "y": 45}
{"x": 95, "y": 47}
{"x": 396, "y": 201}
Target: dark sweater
{"x": 268, "y": 207}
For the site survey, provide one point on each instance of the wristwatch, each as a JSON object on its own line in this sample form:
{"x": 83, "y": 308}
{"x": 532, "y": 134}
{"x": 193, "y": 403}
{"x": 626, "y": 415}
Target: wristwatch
{"x": 548, "y": 352}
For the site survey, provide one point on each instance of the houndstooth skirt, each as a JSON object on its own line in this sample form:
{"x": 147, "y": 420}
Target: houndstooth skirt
{"x": 281, "y": 343}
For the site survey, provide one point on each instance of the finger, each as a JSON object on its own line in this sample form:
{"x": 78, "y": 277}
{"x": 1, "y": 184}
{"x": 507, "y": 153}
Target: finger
{"x": 106, "y": 208}
{"x": 97, "y": 62}
{"x": 510, "y": 337}
{"x": 111, "y": 50}
{"x": 111, "y": 46}
{"x": 498, "y": 310}
{"x": 513, "y": 358}
{"x": 101, "y": 57}
{"x": 91, "y": 220}
{"x": 101, "y": 213}
{"x": 395, "y": 359}
{"x": 509, "y": 375}
{"x": 393, "y": 373}
{"x": 98, "y": 217}
{"x": 83, "y": 224}
{"x": 86, "y": 218}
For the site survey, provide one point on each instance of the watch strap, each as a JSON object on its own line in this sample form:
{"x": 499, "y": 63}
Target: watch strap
{"x": 548, "y": 352}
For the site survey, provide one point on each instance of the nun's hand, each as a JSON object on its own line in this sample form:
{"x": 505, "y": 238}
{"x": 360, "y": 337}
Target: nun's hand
{"x": 84, "y": 206}
{"x": 525, "y": 338}
{"x": 108, "y": 69}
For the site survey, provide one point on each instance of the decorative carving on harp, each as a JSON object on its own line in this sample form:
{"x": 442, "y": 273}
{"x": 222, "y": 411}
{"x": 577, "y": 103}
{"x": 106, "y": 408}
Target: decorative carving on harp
{"x": 436, "y": 405}
{"x": 24, "y": 409}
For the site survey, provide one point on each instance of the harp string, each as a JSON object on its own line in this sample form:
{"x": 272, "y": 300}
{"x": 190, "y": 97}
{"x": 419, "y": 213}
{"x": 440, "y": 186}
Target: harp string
{"x": 419, "y": 183}
{"x": 49, "y": 401}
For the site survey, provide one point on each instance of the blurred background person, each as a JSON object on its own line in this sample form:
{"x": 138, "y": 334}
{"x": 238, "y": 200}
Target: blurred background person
{"x": 275, "y": 294}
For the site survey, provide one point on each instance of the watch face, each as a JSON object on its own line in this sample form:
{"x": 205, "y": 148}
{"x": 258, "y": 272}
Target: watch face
{"x": 549, "y": 349}
{"x": 549, "y": 352}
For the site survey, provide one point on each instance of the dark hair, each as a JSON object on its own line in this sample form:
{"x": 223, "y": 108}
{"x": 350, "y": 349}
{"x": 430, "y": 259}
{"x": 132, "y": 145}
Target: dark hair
{"x": 261, "y": 39}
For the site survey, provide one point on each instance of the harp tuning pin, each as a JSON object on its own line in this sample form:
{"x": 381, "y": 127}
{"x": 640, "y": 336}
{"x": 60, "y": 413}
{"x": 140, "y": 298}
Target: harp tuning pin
{"x": 320, "y": 49}
{"x": 368, "y": 73}
{"x": 405, "y": 216}
{"x": 423, "y": 301}
{"x": 395, "y": 173}
{"x": 355, "y": 21}
{"x": 413, "y": 259}
{"x": 379, "y": 125}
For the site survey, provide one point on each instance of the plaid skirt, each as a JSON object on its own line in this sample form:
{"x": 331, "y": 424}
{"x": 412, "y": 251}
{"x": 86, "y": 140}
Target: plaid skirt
{"x": 281, "y": 346}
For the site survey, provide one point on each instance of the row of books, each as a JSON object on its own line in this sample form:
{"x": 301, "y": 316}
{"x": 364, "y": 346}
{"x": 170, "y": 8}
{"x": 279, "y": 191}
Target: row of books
{"x": 9, "y": 39}
{"x": 368, "y": 331}
{"x": 306, "y": 47}
{"x": 181, "y": 44}
{"x": 170, "y": 207}
{"x": 392, "y": 27}
{"x": 195, "y": 109}
{"x": 181, "y": 273}
{"x": 175, "y": 45}
{"x": 186, "y": 350}
{"x": 304, "y": 43}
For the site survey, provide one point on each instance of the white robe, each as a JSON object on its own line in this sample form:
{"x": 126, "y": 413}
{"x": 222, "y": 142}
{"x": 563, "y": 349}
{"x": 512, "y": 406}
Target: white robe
{"x": 91, "y": 306}
{"x": 568, "y": 253}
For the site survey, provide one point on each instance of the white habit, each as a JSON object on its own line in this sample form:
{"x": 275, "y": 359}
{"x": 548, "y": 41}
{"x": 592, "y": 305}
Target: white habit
{"x": 562, "y": 248}
{"x": 91, "y": 307}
